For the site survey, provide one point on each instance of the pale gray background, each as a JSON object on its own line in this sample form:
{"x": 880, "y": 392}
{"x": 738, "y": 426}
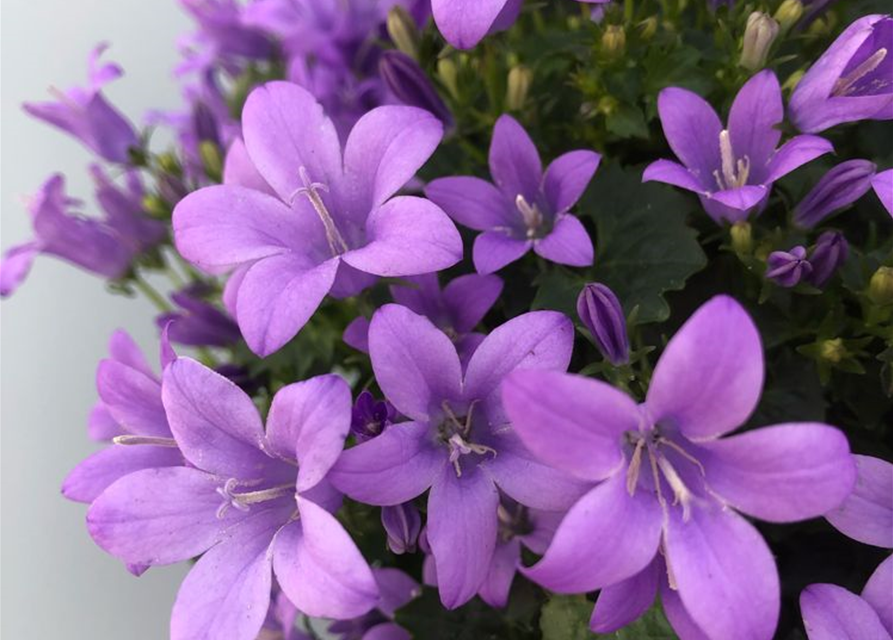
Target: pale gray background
{"x": 55, "y": 583}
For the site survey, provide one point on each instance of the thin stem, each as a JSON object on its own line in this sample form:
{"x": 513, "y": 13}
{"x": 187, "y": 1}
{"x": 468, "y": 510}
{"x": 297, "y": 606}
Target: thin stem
{"x": 151, "y": 292}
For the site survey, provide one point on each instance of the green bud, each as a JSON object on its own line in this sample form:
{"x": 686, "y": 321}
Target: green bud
{"x": 519, "y": 81}
{"x": 607, "y": 105}
{"x": 742, "y": 237}
{"x": 648, "y": 27}
{"x": 449, "y": 75}
{"x": 169, "y": 163}
{"x": 403, "y": 31}
{"x": 156, "y": 207}
{"x": 760, "y": 33}
{"x": 789, "y": 13}
{"x": 793, "y": 80}
{"x": 614, "y": 41}
{"x": 211, "y": 159}
{"x": 880, "y": 287}
{"x": 832, "y": 351}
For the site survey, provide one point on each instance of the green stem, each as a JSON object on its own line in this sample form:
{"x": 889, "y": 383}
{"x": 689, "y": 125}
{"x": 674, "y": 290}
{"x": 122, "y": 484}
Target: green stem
{"x": 151, "y": 293}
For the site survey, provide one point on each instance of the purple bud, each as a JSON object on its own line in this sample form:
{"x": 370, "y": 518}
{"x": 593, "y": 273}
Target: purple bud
{"x": 370, "y": 416}
{"x": 830, "y": 252}
{"x": 402, "y": 523}
{"x": 841, "y": 186}
{"x": 787, "y": 268}
{"x": 601, "y": 313}
{"x": 411, "y": 86}
{"x": 205, "y": 124}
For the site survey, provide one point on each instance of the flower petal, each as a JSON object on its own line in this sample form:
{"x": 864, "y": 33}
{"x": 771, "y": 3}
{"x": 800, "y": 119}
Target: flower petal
{"x": 623, "y": 603}
{"x": 673, "y": 173}
{"x": 567, "y": 178}
{"x": 407, "y": 236}
{"x": 568, "y": 243}
{"x": 15, "y": 266}
{"x": 464, "y": 23}
{"x": 308, "y": 422}
{"x": 784, "y": 473}
{"x": 468, "y": 299}
{"x": 867, "y": 514}
{"x": 415, "y": 363}
{"x": 833, "y": 613}
{"x": 462, "y": 527}
{"x": 678, "y": 617}
{"x": 794, "y": 153}
{"x": 238, "y": 170}
{"x": 132, "y": 398}
{"x": 503, "y": 567}
{"x": 725, "y": 573}
{"x": 514, "y": 161}
{"x": 709, "y": 378}
{"x": 472, "y": 202}
{"x": 123, "y": 349}
{"x": 494, "y": 249}
{"x": 877, "y": 593}
{"x": 95, "y": 474}
{"x": 628, "y": 531}
{"x": 320, "y": 568}
{"x": 755, "y": 113}
{"x": 389, "y": 469}
{"x": 570, "y": 422}
{"x": 692, "y": 129}
{"x": 882, "y": 184}
{"x": 741, "y": 198}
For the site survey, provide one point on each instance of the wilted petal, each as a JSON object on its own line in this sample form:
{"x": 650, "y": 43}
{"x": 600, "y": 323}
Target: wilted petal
{"x": 95, "y": 474}
{"x": 784, "y": 473}
{"x": 692, "y": 129}
{"x": 472, "y": 202}
{"x": 833, "y": 613}
{"x": 494, "y": 249}
{"x": 877, "y": 593}
{"x": 514, "y": 161}
{"x": 867, "y": 514}
{"x": 623, "y": 603}
{"x": 567, "y": 178}
{"x": 568, "y": 243}
{"x": 709, "y": 378}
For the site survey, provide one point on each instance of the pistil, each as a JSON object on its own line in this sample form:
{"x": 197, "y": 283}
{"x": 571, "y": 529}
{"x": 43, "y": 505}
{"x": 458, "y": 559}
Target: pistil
{"x": 312, "y": 190}
{"x": 243, "y": 501}
{"x": 846, "y": 84}
{"x": 130, "y": 440}
{"x": 530, "y": 213}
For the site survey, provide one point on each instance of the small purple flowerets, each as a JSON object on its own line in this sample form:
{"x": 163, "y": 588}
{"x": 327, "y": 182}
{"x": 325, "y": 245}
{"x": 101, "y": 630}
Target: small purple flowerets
{"x": 525, "y": 208}
{"x": 841, "y": 186}
{"x": 666, "y": 488}
{"x": 731, "y": 169}
{"x": 334, "y": 226}
{"x": 788, "y": 268}
{"x": 84, "y": 113}
{"x": 600, "y": 312}
{"x": 852, "y": 80}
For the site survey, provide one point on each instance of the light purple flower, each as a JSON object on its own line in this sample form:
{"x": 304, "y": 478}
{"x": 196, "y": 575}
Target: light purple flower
{"x": 464, "y": 23}
{"x": 198, "y": 323}
{"x": 334, "y": 226}
{"x": 841, "y": 186}
{"x": 600, "y": 312}
{"x": 526, "y": 209}
{"x": 124, "y": 212}
{"x": 867, "y": 514}
{"x": 731, "y": 169}
{"x": 253, "y": 501}
{"x": 223, "y": 33}
{"x": 827, "y": 256}
{"x": 84, "y": 113}
{"x": 397, "y": 590}
{"x": 457, "y": 440}
{"x": 666, "y": 485}
{"x": 833, "y": 613}
{"x": 882, "y": 184}
{"x": 852, "y": 80}
{"x": 788, "y": 268}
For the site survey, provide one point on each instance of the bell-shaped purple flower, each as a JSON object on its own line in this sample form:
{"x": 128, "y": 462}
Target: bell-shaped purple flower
{"x": 410, "y": 86}
{"x": 666, "y": 484}
{"x": 600, "y": 312}
{"x": 841, "y": 186}
{"x": 525, "y": 208}
{"x": 124, "y": 211}
{"x": 882, "y": 184}
{"x": 84, "y": 113}
{"x": 829, "y": 253}
{"x": 852, "y": 80}
{"x": 197, "y": 322}
{"x": 402, "y": 524}
{"x": 223, "y": 36}
{"x": 731, "y": 169}
{"x": 788, "y": 268}
{"x": 464, "y": 23}
{"x": 333, "y": 226}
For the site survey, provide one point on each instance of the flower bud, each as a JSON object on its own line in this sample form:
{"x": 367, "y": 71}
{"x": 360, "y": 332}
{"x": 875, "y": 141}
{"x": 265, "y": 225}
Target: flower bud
{"x": 789, "y": 13}
{"x": 370, "y": 416}
{"x": 156, "y": 207}
{"x": 204, "y": 124}
{"x": 648, "y": 27}
{"x": 403, "y": 31}
{"x": 880, "y": 287}
{"x": 600, "y": 311}
{"x": 520, "y": 79}
{"x": 759, "y": 35}
{"x": 411, "y": 86}
{"x": 787, "y": 268}
{"x": 840, "y": 187}
{"x": 830, "y": 252}
{"x": 211, "y": 159}
{"x": 402, "y": 523}
{"x": 449, "y": 76}
{"x": 833, "y": 351}
{"x": 614, "y": 41}
{"x": 742, "y": 237}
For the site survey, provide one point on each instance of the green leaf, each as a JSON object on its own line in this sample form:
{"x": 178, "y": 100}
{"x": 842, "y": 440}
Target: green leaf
{"x": 627, "y": 121}
{"x": 644, "y": 247}
{"x": 566, "y": 618}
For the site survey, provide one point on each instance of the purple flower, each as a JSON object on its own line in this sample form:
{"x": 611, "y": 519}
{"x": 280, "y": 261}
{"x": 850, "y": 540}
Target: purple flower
{"x": 370, "y": 417}
{"x": 402, "y": 523}
{"x": 852, "y": 80}
{"x": 841, "y": 186}
{"x": 280, "y": 621}
{"x": 223, "y": 33}
{"x": 334, "y": 226}
{"x": 130, "y": 416}
{"x": 464, "y": 23}
{"x": 253, "y": 501}
{"x": 867, "y": 514}
{"x": 833, "y": 613}
{"x": 526, "y": 209}
{"x": 457, "y": 440}
{"x": 663, "y": 479}
{"x": 600, "y": 312}
{"x": 830, "y": 252}
{"x": 410, "y": 86}
{"x": 732, "y": 169}
{"x": 882, "y": 184}
{"x": 84, "y": 113}
{"x": 198, "y": 323}
{"x": 788, "y": 268}
{"x": 124, "y": 212}
{"x": 397, "y": 590}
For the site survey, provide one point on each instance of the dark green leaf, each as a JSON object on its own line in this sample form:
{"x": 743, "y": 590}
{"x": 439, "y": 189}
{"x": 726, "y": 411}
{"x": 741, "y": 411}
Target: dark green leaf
{"x": 566, "y": 618}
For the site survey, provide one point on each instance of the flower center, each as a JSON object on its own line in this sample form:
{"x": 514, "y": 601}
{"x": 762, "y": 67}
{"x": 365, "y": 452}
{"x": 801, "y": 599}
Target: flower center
{"x": 456, "y": 433}
{"x": 734, "y": 171}
{"x": 312, "y": 190}
{"x": 846, "y": 85}
{"x": 243, "y": 501}
{"x": 531, "y": 215}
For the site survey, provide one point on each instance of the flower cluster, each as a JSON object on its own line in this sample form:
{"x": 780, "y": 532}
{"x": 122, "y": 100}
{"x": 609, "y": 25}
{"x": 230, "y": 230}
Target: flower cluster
{"x": 397, "y": 376}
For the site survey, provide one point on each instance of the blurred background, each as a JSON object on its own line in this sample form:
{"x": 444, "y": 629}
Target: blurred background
{"x": 55, "y": 582}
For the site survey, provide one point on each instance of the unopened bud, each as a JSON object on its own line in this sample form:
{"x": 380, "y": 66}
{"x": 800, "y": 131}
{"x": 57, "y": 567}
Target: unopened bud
{"x": 402, "y": 523}
{"x": 169, "y": 163}
{"x": 838, "y": 188}
{"x": 156, "y": 207}
{"x": 832, "y": 351}
{"x": 830, "y": 252}
{"x": 787, "y": 268}
{"x": 403, "y": 31}
{"x": 409, "y": 84}
{"x": 880, "y": 287}
{"x": 519, "y": 81}
{"x": 648, "y": 27}
{"x": 614, "y": 41}
{"x": 759, "y": 35}
{"x": 742, "y": 237}
{"x": 789, "y": 13}
{"x": 449, "y": 76}
{"x": 204, "y": 123}
{"x": 211, "y": 160}
{"x": 600, "y": 312}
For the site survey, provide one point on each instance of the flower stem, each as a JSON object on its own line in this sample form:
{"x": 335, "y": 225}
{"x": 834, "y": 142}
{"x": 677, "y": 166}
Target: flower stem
{"x": 151, "y": 293}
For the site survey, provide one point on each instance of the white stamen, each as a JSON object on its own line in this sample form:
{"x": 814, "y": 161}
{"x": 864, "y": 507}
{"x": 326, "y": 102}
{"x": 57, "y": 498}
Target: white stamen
{"x": 635, "y": 464}
{"x": 242, "y": 501}
{"x": 734, "y": 172}
{"x": 145, "y": 440}
{"x": 681, "y": 494}
{"x": 311, "y": 190}
{"x": 845, "y": 84}
{"x": 530, "y": 214}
